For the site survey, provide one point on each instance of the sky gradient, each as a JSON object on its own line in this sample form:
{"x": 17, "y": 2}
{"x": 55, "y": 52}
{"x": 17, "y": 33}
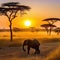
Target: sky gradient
{"x": 40, "y": 9}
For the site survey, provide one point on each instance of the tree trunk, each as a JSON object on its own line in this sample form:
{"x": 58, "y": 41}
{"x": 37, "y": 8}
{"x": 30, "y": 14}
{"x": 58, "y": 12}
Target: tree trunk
{"x": 50, "y": 31}
{"x": 47, "y": 30}
{"x": 11, "y": 36}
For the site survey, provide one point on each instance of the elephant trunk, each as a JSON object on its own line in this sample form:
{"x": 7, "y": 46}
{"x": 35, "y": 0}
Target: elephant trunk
{"x": 23, "y": 47}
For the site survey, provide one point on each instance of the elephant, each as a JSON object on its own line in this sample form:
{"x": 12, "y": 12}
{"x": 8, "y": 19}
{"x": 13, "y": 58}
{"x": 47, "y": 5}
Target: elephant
{"x": 32, "y": 44}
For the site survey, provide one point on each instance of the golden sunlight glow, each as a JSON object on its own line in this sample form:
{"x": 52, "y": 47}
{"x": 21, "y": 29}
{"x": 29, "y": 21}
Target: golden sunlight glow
{"x": 27, "y": 23}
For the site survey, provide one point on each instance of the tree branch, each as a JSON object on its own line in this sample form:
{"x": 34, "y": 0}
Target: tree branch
{"x": 11, "y": 13}
{"x": 7, "y": 16}
{"x": 14, "y": 15}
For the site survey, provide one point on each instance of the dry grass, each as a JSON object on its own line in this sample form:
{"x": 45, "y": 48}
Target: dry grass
{"x": 54, "y": 55}
{"x": 13, "y": 50}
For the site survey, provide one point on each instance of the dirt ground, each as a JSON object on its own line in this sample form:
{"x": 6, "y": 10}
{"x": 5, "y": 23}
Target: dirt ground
{"x": 16, "y": 53}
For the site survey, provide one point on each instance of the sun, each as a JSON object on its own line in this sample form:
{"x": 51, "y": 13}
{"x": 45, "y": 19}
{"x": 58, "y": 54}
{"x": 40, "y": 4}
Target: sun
{"x": 27, "y": 23}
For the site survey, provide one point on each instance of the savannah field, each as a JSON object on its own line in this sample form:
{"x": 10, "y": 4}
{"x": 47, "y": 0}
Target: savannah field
{"x": 42, "y": 22}
{"x": 49, "y": 48}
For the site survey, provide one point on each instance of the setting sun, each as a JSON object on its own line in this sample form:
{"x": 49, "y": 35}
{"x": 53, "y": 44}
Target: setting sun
{"x": 27, "y": 23}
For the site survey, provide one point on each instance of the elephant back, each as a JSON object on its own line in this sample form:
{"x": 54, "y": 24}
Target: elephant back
{"x": 27, "y": 42}
{"x": 36, "y": 42}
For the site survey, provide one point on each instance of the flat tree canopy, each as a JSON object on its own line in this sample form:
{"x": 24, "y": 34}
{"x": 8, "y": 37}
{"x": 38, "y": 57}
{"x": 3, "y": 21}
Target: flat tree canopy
{"x": 51, "y": 20}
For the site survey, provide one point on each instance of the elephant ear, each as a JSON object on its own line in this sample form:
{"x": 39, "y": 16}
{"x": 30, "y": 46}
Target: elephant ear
{"x": 36, "y": 42}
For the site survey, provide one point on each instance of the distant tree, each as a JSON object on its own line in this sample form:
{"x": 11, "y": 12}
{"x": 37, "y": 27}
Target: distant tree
{"x": 15, "y": 29}
{"x": 57, "y": 30}
{"x": 32, "y": 29}
{"x": 48, "y": 27}
{"x": 45, "y": 26}
{"x": 51, "y": 20}
{"x": 37, "y": 30}
{"x": 10, "y": 10}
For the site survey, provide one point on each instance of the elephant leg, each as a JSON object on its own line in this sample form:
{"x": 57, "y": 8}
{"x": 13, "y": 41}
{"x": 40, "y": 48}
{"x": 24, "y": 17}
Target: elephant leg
{"x": 38, "y": 51}
{"x": 28, "y": 48}
{"x": 35, "y": 52}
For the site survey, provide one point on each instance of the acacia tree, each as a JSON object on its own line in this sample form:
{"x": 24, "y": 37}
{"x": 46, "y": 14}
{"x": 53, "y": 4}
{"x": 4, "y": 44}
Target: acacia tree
{"x": 10, "y": 10}
{"x": 32, "y": 29}
{"x": 48, "y": 27}
{"x": 45, "y": 26}
{"x": 51, "y": 20}
{"x": 57, "y": 30}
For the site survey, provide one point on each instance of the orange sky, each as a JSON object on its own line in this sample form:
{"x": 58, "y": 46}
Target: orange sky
{"x": 40, "y": 9}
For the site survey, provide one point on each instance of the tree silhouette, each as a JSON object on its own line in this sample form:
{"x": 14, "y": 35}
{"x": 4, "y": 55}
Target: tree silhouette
{"x": 15, "y": 29}
{"x": 57, "y": 30}
{"x": 48, "y": 27}
{"x": 52, "y": 20}
{"x": 32, "y": 29}
{"x": 10, "y": 10}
